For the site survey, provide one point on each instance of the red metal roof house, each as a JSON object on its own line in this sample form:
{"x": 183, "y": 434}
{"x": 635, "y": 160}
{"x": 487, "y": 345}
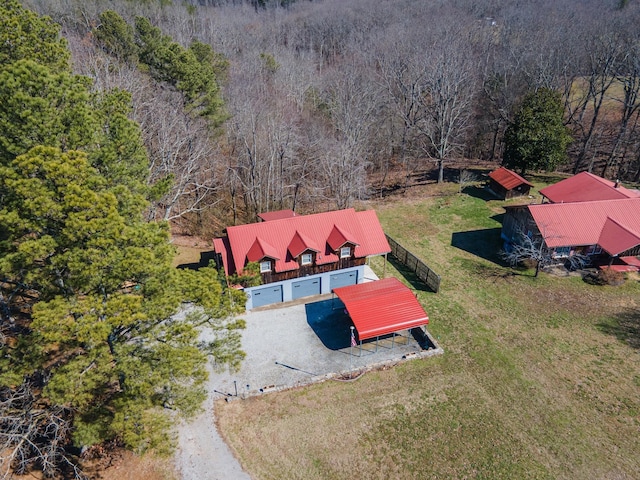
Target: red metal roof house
{"x": 589, "y": 216}
{"x": 302, "y": 255}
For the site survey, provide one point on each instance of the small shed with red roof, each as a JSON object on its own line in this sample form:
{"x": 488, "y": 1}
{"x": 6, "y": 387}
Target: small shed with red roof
{"x": 506, "y": 184}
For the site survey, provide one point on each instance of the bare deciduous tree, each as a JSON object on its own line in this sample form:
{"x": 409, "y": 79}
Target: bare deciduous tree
{"x": 447, "y": 95}
{"x": 33, "y": 435}
{"x": 352, "y": 101}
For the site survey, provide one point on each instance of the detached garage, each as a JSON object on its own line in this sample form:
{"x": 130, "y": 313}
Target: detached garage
{"x": 381, "y": 307}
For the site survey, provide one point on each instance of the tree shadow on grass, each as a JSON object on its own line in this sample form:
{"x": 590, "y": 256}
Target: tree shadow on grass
{"x": 205, "y": 258}
{"x": 330, "y": 323}
{"x": 625, "y": 326}
{"x": 480, "y": 192}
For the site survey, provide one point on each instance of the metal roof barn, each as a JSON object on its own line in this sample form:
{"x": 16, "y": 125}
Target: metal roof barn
{"x": 381, "y": 307}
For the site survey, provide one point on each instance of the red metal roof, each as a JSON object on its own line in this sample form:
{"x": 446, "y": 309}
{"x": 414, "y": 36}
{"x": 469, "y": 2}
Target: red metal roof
{"x": 508, "y": 179}
{"x": 338, "y": 237}
{"x": 300, "y": 243}
{"x": 381, "y": 307}
{"x": 261, "y": 249}
{"x": 276, "y": 215}
{"x": 585, "y": 187}
{"x": 583, "y": 223}
{"x": 279, "y": 238}
{"x": 616, "y": 238}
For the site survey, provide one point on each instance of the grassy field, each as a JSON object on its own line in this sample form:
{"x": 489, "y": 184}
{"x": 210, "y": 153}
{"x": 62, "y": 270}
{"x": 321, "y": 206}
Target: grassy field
{"x": 540, "y": 376}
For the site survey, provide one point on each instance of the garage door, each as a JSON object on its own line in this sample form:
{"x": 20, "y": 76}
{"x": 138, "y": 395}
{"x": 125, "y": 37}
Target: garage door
{"x": 266, "y": 295}
{"x": 343, "y": 279}
{"x": 304, "y": 288}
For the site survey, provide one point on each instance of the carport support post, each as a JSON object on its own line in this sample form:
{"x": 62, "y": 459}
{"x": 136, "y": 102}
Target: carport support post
{"x": 351, "y": 351}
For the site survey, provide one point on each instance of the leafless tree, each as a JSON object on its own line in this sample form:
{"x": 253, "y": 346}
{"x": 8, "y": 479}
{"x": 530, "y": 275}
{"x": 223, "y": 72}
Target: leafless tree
{"x": 466, "y": 178}
{"x": 528, "y": 247}
{"x": 628, "y": 75}
{"x": 402, "y": 75}
{"x": 584, "y": 104}
{"x": 33, "y": 435}
{"x": 352, "y": 100}
{"x": 447, "y": 94}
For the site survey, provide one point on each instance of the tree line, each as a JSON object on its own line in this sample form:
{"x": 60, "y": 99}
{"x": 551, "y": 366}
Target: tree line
{"x": 324, "y": 100}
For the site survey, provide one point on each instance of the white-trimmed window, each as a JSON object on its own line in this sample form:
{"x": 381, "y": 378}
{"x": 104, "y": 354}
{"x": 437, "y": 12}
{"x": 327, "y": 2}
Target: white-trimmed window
{"x": 265, "y": 266}
{"x": 345, "y": 252}
{"x": 306, "y": 259}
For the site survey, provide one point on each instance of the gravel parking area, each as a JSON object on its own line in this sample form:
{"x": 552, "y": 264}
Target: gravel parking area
{"x": 286, "y": 346}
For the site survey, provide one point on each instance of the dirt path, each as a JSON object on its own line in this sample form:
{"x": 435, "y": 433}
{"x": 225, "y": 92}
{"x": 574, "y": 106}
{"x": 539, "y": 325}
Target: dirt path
{"x": 202, "y": 454}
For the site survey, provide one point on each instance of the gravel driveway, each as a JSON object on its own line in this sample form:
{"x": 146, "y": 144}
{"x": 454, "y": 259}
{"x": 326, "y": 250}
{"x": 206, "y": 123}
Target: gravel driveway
{"x": 289, "y": 346}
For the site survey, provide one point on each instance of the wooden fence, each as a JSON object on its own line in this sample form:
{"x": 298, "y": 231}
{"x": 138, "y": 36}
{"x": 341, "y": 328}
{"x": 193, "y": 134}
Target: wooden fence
{"x": 413, "y": 263}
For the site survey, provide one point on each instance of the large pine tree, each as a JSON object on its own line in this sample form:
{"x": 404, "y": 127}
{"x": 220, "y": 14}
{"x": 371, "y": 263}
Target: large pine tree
{"x": 96, "y": 339}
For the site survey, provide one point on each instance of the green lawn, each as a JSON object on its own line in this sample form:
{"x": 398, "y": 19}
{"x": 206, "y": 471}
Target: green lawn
{"x": 540, "y": 376}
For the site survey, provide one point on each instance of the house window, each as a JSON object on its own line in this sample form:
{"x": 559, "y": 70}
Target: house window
{"x": 594, "y": 250}
{"x": 345, "y": 252}
{"x": 306, "y": 259}
{"x": 265, "y": 266}
{"x": 562, "y": 252}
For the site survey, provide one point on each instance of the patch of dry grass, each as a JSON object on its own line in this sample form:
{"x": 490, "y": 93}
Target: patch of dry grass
{"x": 537, "y": 381}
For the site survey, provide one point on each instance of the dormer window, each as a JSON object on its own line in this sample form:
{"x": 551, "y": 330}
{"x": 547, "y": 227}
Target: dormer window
{"x": 265, "y": 266}
{"x": 345, "y": 252}
{"x": 306, "y": 259}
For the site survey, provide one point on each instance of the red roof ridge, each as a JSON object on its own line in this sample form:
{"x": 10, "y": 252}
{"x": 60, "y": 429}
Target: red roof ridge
{"x": 586, "y": 186}
{"x": 617, "y": 238}
{"x": 508, "y": 178}
{"x": 276, "y": 215}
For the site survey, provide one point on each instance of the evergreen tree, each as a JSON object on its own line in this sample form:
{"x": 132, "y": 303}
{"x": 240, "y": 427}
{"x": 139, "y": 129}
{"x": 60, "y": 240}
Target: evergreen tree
{"x": 103, "y": 344}
{"x": 95, "y": 344}
{"x": 116, "y": 36}
{"x": 25, "y": 35}
{"x": 537, "y": 139}
{"x": 192, "y": 71}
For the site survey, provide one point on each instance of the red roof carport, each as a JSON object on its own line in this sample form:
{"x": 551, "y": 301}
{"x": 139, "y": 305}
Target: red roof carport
{"x": 381, "y": 307}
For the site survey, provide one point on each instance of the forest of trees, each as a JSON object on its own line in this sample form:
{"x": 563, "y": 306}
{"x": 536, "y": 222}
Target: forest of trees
{"x": 326, "y": 102}
{"x": 120, "y": 119}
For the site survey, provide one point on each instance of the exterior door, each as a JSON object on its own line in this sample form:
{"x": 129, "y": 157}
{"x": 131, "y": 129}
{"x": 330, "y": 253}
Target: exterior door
{"x": 343, "y": 279}
{"x": 305, "y": 288}
{"x": 266, "y": 296}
